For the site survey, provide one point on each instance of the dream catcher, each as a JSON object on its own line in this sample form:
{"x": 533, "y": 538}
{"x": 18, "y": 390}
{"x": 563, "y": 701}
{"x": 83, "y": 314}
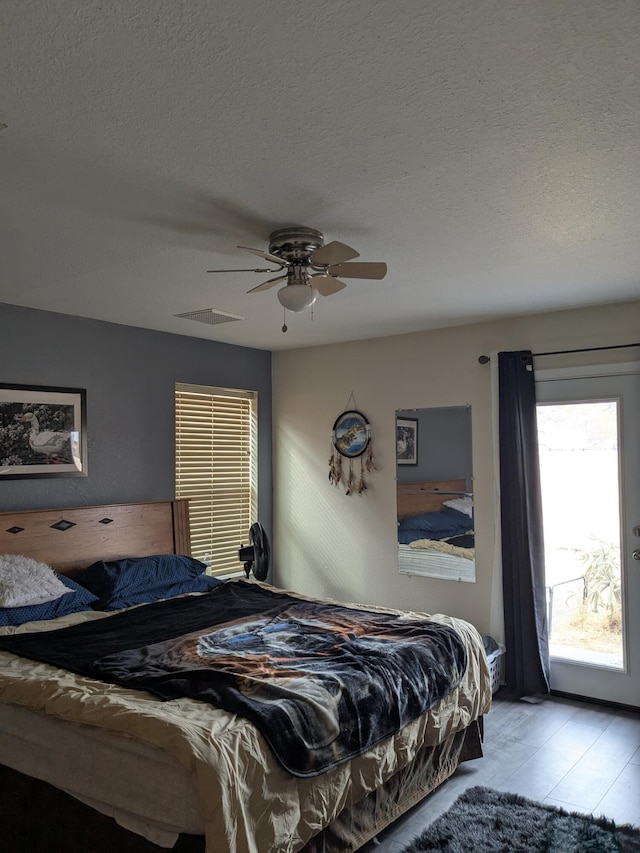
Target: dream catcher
{"x": 351, "y": 439}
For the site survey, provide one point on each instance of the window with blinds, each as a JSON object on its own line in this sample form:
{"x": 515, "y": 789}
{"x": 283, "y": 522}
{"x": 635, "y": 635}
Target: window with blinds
{"x": 216, "y": 468}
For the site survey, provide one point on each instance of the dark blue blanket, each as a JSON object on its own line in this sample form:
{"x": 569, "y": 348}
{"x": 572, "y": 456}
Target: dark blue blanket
{"x": 321, "y": 682}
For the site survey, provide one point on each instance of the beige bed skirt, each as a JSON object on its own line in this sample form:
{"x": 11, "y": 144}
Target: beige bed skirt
{"x": 65, "y": 825}
{"x": 365, "y": 819}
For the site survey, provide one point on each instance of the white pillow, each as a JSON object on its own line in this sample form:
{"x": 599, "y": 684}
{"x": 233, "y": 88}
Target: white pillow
{"x": 464, "y": 504}
{"x": 25, "y": 582}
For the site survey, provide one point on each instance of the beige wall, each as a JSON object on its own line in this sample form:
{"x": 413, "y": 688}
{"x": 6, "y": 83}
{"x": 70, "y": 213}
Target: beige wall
{"x": 331, "y": 545}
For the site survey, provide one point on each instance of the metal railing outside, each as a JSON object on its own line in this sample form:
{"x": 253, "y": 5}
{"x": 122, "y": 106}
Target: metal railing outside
{"x": 551, "y": 595}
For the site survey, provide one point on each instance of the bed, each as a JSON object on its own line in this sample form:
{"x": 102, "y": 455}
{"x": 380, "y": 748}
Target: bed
{"x": 111, "y": 766}
{"x": 435, "y": 529}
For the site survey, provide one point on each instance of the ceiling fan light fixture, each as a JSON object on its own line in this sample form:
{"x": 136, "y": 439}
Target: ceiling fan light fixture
{"x": 297, "y": 297}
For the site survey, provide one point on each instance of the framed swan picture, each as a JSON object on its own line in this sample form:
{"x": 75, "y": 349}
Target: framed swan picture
{"x": 42, "y": 432}
{"x": 407, "y": 441}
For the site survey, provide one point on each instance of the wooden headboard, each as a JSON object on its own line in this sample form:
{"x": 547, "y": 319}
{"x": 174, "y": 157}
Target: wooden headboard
{"x": 72, "y": 538}
{"x": 416, "y": 498}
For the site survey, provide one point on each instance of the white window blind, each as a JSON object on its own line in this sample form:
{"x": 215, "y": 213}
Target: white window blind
{"x": 216, "y": 468}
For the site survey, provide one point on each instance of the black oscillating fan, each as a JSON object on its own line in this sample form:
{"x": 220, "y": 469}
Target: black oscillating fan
{"x": 256, "y": 556}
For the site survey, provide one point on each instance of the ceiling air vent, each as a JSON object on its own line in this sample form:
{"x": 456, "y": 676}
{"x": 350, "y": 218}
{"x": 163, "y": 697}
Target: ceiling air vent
{"x": 211, "y": 317}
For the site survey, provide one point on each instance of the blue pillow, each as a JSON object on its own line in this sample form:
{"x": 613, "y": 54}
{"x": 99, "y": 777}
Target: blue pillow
{"x": 77, "y": 601}
{"x": 438, "y": 525}
{"x": 201, "y": 583}
{"x": 406, "y": 536}
{"x": 139, "y": 580}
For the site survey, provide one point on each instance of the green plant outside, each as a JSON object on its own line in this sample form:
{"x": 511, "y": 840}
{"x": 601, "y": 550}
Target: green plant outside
{"x": 602, "y": 584}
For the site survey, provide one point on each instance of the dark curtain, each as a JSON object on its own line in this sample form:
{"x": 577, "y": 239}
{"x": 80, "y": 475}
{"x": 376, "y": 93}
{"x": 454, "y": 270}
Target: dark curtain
{"x": 524, "y": 594}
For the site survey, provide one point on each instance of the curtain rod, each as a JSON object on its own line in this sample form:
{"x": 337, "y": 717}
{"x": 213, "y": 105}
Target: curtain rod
{"x": 485, "y": 359}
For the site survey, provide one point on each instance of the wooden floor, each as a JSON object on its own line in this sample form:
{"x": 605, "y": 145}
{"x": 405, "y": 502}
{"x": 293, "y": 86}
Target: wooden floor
{"x": 575, "y": 755}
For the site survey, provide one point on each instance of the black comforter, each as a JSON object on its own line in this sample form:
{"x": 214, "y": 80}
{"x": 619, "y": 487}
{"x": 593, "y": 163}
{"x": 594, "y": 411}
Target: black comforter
{"x": 321, "y": 682}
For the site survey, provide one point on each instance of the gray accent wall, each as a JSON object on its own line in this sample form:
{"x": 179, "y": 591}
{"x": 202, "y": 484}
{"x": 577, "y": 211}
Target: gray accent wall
{"x": 444, "y": 445}
{"x": 129, "y": 375}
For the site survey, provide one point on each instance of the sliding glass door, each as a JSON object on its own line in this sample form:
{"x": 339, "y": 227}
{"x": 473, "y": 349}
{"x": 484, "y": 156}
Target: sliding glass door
{"x": 590, "y": 474}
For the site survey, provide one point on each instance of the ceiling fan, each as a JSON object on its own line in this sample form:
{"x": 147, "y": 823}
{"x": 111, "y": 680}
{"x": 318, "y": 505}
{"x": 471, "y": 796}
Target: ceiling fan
{"x": 308, "y": 266}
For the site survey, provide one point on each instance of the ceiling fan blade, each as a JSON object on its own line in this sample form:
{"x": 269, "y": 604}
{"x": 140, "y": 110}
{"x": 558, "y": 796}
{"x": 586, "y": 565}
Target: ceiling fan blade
{"x": 326, "y": 284}
{"x": 252, "y": 270}
{"x": 267, "y": 284}
{"x": 333, "y": 253}
{"x": 363, "y": 270}
{"x": 273, "y": 258}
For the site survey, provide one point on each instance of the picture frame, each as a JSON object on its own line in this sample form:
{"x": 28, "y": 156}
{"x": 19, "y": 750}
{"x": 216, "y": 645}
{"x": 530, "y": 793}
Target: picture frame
{"x": 351, "y": 434}
{"x": 43, "y": 432}
{"x": 406, "y": 441}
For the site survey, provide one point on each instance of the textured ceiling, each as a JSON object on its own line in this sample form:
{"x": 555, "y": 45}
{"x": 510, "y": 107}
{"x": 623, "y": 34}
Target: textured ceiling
{"x": 489, "y": 152}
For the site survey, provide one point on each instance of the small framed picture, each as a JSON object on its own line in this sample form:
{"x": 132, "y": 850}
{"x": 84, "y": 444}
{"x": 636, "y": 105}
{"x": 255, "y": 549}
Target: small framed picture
{"x": 407, "y": 441}
{"x": 42, "y": 432}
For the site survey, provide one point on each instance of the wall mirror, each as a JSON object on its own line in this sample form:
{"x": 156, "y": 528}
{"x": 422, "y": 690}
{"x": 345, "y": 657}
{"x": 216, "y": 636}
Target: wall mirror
{"x": 434, "y": 480}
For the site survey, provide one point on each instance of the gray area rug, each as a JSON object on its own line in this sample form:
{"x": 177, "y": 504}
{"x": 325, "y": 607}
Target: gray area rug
{"x": 487, "y": 821}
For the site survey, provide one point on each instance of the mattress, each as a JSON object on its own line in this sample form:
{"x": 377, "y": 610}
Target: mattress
{"x": 226, "y": 779}
{"x": 435, "y": 564}
{"x": 141, "y": 786}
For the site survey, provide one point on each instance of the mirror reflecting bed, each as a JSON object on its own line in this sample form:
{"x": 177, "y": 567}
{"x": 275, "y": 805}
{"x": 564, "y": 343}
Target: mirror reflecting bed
{"x": 435, "y": 493}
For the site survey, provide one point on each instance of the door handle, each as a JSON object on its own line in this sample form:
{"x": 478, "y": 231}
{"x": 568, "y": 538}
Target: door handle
{"x": 636, "y": 554}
